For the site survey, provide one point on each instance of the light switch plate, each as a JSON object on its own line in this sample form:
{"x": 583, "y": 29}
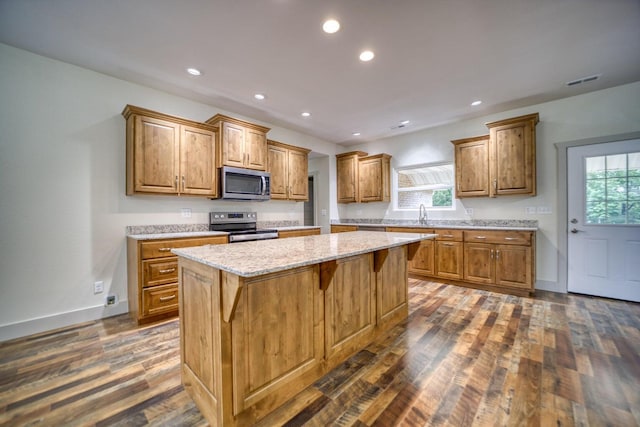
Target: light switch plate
{"x": 186, "y": 212}
{"x": 544, "y": 210}
{"x": 323, "y": 212}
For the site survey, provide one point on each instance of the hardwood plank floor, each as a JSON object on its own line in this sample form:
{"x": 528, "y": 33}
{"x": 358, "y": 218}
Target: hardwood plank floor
{"x": 463, "y": 357}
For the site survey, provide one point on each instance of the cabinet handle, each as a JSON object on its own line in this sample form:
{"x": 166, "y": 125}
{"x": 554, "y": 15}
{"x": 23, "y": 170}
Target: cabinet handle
{"x": 447, "y": 244}
{"x": 168, "y": 270}
{"x": 495, "y": 184}
{"x": 510, "y": 238}
{"x": 163, "y": 299}
{"x": 176, "y": 182}
{"x": 497, "y": 254}
{"x": 182, "y": 182}
{"x": 164, "y": 249}
{"x": 491, "y": 253}
{"x": 447, "y": 235}
{"x": 480, "y": 237}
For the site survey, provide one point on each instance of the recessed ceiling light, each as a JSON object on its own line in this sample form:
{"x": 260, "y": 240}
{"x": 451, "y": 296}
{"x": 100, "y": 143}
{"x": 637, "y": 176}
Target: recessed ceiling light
{"x": 476, "y": 103}
{"x": 356, "y": 134}
{"x": 330, "y": 26}
{"x": 194, "y": 71}
{"x": 405, "y": 122}
{"x": 366, "y": 55}
{"x": 259, "y": 96}
{"x": 306, "y": 114}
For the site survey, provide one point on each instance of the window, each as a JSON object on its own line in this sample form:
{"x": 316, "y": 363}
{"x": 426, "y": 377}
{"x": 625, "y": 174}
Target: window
{"x": 613, "y": 189}
{"x": 431, "y": 185}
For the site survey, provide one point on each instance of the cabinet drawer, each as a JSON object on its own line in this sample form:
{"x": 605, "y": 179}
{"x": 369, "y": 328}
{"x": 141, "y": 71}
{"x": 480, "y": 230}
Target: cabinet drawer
{"x": 159, "y": 299}
{"x": 160, "y": 271}
{"x": 500, "y": 237}
{"x": 451, "y": 235}
{"x": 162, "y": 248}
{"x": 410, "y": 230}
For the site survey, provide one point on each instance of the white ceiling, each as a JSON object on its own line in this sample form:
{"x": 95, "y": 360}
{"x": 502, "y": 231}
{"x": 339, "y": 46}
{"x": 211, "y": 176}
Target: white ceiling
{"x": 433, "y": 57}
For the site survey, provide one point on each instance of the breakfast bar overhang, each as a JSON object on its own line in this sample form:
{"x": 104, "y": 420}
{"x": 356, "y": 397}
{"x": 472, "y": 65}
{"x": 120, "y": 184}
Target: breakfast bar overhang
{"x": 260, "y": 321}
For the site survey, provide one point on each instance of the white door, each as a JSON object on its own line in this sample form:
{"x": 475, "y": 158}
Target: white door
{"x": 604, "y": 219}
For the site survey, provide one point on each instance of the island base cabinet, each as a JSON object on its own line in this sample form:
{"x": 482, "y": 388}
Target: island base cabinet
{"x": 250, "y": 344}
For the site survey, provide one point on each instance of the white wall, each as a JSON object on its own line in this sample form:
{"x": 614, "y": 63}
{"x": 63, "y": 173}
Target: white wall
{"x": 608, "y": 112}
{"x": 63, "y": 209}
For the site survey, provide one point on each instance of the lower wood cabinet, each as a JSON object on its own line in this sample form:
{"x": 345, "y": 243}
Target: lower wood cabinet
{"x": 343, "y": 228}
{"x": 500, "y": 260}
{"x": 283, "y": 234}
{"x": 152, "y": 272}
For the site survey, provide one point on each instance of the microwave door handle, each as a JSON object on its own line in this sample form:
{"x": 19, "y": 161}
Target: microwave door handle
{"x": 264, "y": 185}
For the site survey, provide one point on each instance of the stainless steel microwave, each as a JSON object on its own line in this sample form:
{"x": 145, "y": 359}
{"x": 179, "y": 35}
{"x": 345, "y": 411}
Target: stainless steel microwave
{"x": 244, "y": 184}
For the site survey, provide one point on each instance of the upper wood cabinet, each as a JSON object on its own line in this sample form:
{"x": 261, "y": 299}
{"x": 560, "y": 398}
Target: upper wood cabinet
{"x": 374, "y": 178}
{"x": 347, "y": 176}
{"x": 512, "y": 156}
{"x": 289, "y": 168}
{"x": 472, "y": 166}
{"x": 242, "y": 144}
{"x": 169, "y": 155}
{"x": 363, "y": 178}
{"x": 498, "y": 164}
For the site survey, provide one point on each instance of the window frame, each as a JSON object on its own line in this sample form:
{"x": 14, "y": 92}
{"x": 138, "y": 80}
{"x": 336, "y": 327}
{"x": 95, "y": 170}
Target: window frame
{"x": 395, "y": 191}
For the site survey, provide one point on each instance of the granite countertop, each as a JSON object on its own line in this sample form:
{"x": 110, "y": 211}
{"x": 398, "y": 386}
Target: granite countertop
{"x": 513, "y": 225}
{"x": 176, "y": 235}
{"x": 250, "y": 259}
{"x": 298, "y": 227}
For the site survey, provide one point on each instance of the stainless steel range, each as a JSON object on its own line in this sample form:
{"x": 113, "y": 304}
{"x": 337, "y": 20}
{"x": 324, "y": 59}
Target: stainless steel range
{"x": 241, "y": 226}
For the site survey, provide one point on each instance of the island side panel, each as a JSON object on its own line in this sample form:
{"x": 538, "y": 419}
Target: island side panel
{"x": 200, "y": 337}
{"x": 392, "y": 288}
{"x": 277, "y": 345}
{"x": 350, "y": 307}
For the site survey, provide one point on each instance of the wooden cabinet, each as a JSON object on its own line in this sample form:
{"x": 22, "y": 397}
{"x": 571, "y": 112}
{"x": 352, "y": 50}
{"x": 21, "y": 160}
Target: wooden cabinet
{"x": 289, "y": 168}
{"x": 169, "y": 155}
{"x": 423, "y": 262}
{"x": 449, "y": 254}
{"x": 363, "y": 178}
{"x": 501, "y": 163}
{"x": 283, "y": 234}
{"x": 343, "y": 228}
{"x": 472, "y": 166}
{"x": 153, "y": 275}
{"x": 347, "y": 176}
{"x": 512, "y": 156}
{"x": 374, "y": 178}
{"x": 242, "y": 144}
{"x": 500, "y": 258}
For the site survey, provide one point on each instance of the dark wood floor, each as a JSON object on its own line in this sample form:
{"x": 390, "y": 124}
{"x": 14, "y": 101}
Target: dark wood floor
{"x": 464, "y": 357}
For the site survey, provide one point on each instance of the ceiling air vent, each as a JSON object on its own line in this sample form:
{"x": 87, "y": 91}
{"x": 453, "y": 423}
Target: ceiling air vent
{"x": 583, "y": 80}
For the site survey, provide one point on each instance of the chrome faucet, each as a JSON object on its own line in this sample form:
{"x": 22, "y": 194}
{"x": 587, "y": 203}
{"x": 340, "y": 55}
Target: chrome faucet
{"x": 423, "y": 217}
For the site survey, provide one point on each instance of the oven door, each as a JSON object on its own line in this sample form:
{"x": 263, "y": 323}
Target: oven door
{"x": 244, "y": 184}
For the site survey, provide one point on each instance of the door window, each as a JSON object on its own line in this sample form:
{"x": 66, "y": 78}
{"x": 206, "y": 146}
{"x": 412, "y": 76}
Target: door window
{"x": 613, "y": 189}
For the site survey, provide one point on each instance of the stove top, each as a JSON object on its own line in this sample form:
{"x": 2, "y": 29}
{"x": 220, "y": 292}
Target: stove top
{"x": 241, "y": 226}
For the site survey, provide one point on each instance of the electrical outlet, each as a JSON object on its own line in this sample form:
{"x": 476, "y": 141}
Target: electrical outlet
{"x": 111, "y": 300}
{"x": 98, "y": 287}
{"x": 469, "y": 211}
{"x": 186, "y": 212}
{"x": 323, "y": 212}
{"x": 544, "y": 210}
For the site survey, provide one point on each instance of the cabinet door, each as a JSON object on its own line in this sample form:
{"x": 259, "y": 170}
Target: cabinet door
{"x": 423, "y": 261}
{"x": 347, "y": 172}
{"x": 513, "y": 158}
{"x": 472, "y": 167}
{"x": 449, "y": 258}
{"x": 279, "y": 171}
{"x": 298, "y": 175}
{"x": 232, "y": 145}
{"x": 370, "y": 180}
{"x": 514, "y": 266}
{"x": 197, "y": 162}
{"x": 255, "y": 148}
{"x": 478, "y": 263}
{"x": 156, "y": 154}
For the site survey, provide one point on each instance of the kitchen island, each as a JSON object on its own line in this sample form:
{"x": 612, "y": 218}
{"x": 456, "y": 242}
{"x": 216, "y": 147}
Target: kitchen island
{"x": 262, "y": 320}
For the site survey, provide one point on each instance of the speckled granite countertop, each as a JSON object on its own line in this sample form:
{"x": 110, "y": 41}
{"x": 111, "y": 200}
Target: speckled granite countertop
{"x": 176, "y": 235}
{"x": 250, "y": 259}
{"x": 478, "y": 224}
{"x": 175, "y": 231}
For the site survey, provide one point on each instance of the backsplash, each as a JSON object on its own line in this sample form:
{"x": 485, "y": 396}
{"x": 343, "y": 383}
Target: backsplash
{"x": 516, "y": 223}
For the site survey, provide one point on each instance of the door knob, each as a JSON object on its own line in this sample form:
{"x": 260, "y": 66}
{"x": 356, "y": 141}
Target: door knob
{"x": 574, "y": 221}
{"x": 575, "y": 230}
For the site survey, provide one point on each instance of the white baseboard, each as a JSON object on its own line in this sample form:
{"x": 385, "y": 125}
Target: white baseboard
{"x": 545, "y": 285}
{"x": 60, "y": 320}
